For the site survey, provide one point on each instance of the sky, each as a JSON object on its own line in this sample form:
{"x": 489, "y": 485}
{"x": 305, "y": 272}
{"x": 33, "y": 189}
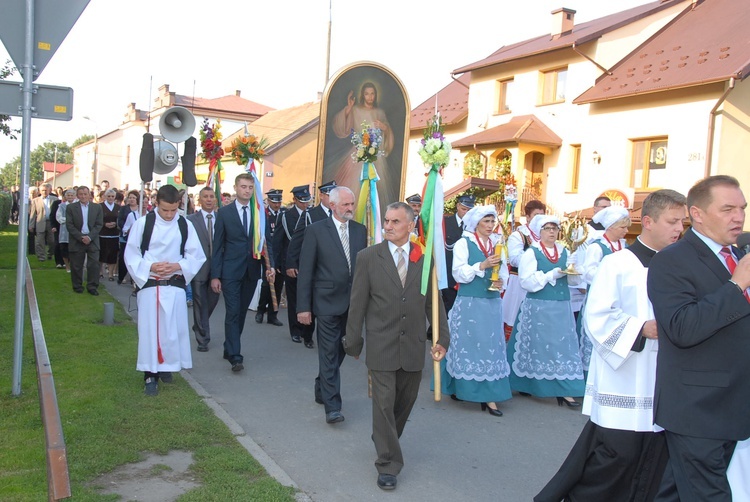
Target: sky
{"x": 274, "y": 52}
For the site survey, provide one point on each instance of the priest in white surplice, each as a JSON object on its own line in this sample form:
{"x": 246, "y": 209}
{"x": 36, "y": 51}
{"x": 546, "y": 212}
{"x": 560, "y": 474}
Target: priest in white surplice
{"x": 621, "y": 454}
{"x": 172, "y": 256}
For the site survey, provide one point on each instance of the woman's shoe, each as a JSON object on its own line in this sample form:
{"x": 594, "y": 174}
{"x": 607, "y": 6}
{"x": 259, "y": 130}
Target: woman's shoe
{"x": 572, "y": 403}
{"x": 455, "y": 398}
{"x": 493, "y": 411}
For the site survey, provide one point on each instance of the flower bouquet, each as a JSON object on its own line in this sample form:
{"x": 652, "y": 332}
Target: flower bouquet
{"x": 248, "y": 147}
{"x": 367, "y": 142}
{"x": 435, "y": 149}
{"x": 211, "y": 142}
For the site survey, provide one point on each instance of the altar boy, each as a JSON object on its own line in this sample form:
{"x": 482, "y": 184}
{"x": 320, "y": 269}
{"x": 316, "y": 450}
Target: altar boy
{"x": 162, "y": 255}
{"x": 621, "y": 454}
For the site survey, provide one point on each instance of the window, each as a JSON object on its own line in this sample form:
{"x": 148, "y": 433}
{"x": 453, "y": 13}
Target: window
{"x": 649, "y": 163}
{"x": 504, "y": 93}
{"x": 553, "y": 86}
{"x": 575, "y": 168}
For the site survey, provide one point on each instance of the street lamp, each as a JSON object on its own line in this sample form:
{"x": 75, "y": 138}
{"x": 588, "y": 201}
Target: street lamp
{"x": 95, "y": 164}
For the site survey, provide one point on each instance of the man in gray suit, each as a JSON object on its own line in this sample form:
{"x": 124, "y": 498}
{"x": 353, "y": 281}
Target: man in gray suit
{"x": 40, "y": 222}
{"x": 386, "y": 296}
{"x": 329, "y": 253}
{"x": 204, "y": 298}
{"x": 84, "y": 220}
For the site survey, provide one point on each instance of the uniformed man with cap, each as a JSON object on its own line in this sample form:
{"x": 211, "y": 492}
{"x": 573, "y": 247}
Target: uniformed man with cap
{"x": 454, "y": 228}
{"x": 290, "y": 219}
{"x": 265, "y": 304}
{"x": 415, "y": 201}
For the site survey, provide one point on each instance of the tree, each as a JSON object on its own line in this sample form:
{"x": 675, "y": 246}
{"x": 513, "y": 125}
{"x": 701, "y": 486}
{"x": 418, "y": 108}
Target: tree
{"x": 6, "y": 71}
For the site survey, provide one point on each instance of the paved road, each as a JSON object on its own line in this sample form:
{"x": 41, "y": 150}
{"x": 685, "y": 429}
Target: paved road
{"x": 453, "y": 452}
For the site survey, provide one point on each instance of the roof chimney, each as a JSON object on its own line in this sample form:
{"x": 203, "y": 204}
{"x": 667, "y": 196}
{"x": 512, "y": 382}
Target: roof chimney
{"x": 237, "y": 93}
{"x": 562, "y": 21}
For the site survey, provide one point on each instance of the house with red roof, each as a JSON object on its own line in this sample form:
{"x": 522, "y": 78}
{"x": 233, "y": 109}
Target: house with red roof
{"x": 650, "y": 97}
{"x": 115, "y": 155}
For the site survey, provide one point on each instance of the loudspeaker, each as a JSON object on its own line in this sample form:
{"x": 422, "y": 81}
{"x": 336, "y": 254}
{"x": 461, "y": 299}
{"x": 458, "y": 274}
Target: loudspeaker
{"x": 146, "y": 161}
{"x": 188, "y": 162}
{"x": 177, "y": 124}
{"x": 165, "y": 157}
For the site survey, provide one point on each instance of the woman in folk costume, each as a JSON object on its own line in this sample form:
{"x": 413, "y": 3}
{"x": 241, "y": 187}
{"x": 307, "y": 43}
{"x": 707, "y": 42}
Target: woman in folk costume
{"x": 543, "y": 349}
{"x": 615, "y": 221}
{"x": 476, "y": 368}
{"x": 518, "y": 242}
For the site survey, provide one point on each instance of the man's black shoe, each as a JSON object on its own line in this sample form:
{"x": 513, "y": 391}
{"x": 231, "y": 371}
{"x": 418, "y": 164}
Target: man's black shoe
{"x": 151, "y": 388}
{"x": 296, "y": 339}
{"x": 202, "y": 348}
{"x": 309, "y": 344}
{"x": 334, "y": 417}
{"x": 275, "y": 322}
{"x": 386, "y": 481}
{"x": 259, "y": 318}
{"x": 93, "y": 292}
{"x": 166, "y": 376}
{"x": 237, "y": 367}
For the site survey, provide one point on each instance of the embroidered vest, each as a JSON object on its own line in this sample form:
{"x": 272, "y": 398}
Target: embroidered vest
{"x": 558, "y": 292}
{"x": 478, "y": 287}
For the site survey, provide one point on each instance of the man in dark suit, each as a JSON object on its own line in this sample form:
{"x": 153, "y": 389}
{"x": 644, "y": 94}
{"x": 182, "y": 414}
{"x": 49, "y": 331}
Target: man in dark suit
{"x": 386, "y": 297}
{"x": 454, "y": 229}
{"x": 59, "y": 263}
{"x": 329, "y": 254}
{"x": 317, "y": 213}
{"x": 234, "y": 270}
{"x": 290, "y": 221}
{"x": 265, "y": 303}
{"x": 84, "y": 220}
{"x": 40, "y": 222}
{"x": 698, "y": 287}
{"x": 204, "y": 297}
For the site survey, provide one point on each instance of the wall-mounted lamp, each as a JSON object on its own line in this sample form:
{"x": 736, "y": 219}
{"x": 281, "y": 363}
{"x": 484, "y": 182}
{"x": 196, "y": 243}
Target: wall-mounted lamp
{"x": 596, "y": 157}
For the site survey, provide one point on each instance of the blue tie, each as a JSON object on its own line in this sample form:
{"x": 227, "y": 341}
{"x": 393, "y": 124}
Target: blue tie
{"x": 244, "y": 219}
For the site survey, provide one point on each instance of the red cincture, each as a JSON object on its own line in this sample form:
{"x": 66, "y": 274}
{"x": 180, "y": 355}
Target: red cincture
{"x": 611, "y": 246}
{"x": 552, "y": 258}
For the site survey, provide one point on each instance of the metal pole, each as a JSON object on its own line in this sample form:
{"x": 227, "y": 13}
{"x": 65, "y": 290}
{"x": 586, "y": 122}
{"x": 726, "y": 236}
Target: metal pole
{"x": 328, "y": 48}
{"x": 54, "y": 174}
{"x": 23, "y": 212}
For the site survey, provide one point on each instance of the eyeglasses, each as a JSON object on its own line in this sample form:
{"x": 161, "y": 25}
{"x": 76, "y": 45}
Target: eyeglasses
{"x": 550, "y": 229}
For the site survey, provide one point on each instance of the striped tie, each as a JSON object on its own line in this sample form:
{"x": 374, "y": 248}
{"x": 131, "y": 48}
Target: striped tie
{"x": 401, "y": 266}
{"x": 345, "y": 245}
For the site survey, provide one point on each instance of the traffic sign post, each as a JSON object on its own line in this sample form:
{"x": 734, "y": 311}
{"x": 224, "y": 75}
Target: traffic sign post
{"x": 32, "y": 31}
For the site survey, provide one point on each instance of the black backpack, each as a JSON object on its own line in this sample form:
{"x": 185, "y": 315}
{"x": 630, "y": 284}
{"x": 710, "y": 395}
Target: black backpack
{"x": 149, "y": 229}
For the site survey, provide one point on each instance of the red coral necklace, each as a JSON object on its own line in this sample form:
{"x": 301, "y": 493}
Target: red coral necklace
{"x": 533, "y": 235}
{"x": 611, "y": 246}
{"x": 554, "y": 257}
{"x": 486, "y": 251}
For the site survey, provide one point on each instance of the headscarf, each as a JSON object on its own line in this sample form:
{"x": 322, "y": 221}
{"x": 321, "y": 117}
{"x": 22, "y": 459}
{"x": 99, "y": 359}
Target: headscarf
{"x": 474, "y": 215}
{"x": 610, "y": 215}
{"x": 542, "y": 219}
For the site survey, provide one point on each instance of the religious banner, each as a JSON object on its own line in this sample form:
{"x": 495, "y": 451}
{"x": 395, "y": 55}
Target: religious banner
{"x": 364, "y": 128}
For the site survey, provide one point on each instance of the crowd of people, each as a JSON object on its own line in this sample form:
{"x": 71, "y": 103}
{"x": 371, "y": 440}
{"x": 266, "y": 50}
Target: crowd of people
{"x": 648, "y": 336}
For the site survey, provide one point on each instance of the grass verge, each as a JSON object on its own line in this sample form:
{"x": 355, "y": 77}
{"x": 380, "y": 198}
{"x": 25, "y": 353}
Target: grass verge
{"x": 106, "y": 419}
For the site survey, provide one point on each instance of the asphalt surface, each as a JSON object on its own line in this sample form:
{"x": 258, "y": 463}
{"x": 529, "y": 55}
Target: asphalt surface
{"x": 452, "y": 451}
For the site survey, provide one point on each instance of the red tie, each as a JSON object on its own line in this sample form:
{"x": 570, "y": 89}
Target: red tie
{"x": 731, "y": 264}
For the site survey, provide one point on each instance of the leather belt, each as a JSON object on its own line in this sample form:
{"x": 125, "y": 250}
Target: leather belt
{"x": 176, "y": 281}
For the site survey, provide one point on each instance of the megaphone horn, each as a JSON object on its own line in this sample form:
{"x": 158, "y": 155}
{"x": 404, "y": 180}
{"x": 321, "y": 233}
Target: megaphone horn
{"x": 165, "y": 158}
{"x": 177, "y": 124}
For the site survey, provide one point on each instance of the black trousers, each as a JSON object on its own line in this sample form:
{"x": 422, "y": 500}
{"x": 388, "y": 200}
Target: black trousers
{"x": 331, "y": 330}
{"x": 304, "y": 331}
{"x": 204, "y": 303}
{"x": 122, "y": 269}
{"x": 264, "y": 303}
{"x": 237, "y": 296}
{"x": 697, "y": 470}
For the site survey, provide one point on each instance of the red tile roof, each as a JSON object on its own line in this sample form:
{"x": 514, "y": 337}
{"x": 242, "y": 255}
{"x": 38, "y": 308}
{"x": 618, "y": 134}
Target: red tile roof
{"x": 49, "y": 167}
{"x": 521, "y": 129}
{"x": 231, "y": 103}
{"x": 581, "y": 33}
{"x": 705, "y": 44}
{"x": 452, "y": 103}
